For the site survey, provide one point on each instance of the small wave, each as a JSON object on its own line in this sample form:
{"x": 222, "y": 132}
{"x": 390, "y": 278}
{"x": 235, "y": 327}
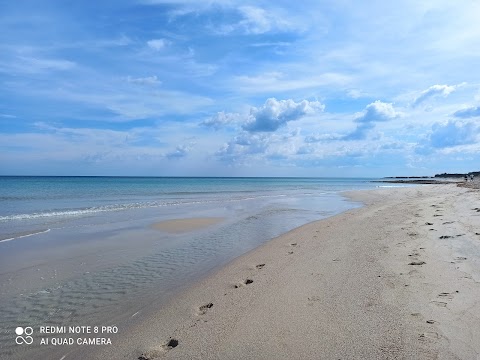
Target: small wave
{"x": 25, "y": 235}
{"x": 120, "y": 207}
{"x": 77, "y": 212}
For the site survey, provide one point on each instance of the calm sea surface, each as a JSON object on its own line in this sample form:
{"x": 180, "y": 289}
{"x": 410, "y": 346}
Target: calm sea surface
{"x": 81, "y": 250}
{"x": 27, "y": 198}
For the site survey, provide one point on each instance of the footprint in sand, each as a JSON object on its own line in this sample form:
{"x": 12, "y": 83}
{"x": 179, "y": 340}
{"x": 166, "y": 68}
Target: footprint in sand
{"x": 445, "y": 295}
{"x": 428, "y": 336}
{"x": 150, "y": 355}
{"x": 415, "y": 274}
{"x": 202, "y": 310}
{"x": 460, "y": 258}
{"x": 446, "y": 237}
{"x": 428, "y": 223}
{"x": 313, "y": 299}
{"x": 260, "y": 266}
{"x": 290, "y": 252}
{"x": 246, "y": 282}
{"x": 156, "y": 353}
{"x": 293, "y": 244}
{"x": 172, "y": 343}
{"x": 439, "y": 303}
{"x": 417, "y": 263}
{"x": 448, "y": 222}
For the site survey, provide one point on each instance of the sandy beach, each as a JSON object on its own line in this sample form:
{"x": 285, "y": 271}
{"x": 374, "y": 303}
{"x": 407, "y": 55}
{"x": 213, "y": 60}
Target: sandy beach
{"x": 239, "y": 180}
{"x": 396, "y": 279}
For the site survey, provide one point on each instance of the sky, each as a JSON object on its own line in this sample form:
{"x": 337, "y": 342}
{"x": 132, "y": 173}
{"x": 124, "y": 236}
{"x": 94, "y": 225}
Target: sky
{"x": 239, "y": 88}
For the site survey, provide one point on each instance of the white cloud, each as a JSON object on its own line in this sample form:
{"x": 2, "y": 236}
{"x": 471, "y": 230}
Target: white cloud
{"x": 149, "y": 80}
{"x": 272, "y": 115}
{"x": 322, "y": 137}
{"x": 222, "y": 119}
{"x": 179, "y": 152}
{"x": 434, "y": 91}
{"x": 131, "y": 102}
{"x": 34, "y": 65}
{"x": 243, "y": 147}
{"x": 276, "y": 113}
{"x": 454, "y": 133}
{"x": 7, "y": 116}
{"x": 157, "y": 44}
{"x": 276, "y": 81}
{"x": 378, "y": 111}
{"x": 473, "y": 111}
{"x": 258, "y": 21}
{"x": 271, "y": 43}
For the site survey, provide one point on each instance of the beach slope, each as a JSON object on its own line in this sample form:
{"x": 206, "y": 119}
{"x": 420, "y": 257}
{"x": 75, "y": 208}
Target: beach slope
{"x": 396, "y": 279}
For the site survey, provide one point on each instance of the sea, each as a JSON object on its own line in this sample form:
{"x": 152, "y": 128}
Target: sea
{"x": 82, "y": 250}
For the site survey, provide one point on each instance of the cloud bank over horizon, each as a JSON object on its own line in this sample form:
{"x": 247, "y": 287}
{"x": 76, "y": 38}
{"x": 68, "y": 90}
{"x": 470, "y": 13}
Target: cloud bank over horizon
{"x": 239, "y": 88}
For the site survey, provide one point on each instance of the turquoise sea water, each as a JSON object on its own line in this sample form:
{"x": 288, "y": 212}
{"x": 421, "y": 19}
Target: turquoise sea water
{"x": 81, "y": 250}
{"x": 24, "y": 197}
{"x": 37, "y": 204}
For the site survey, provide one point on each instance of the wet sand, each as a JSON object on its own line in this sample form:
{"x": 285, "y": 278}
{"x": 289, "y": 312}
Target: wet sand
{"x": 186, "y": 225}
{"x": 396, "y": 279}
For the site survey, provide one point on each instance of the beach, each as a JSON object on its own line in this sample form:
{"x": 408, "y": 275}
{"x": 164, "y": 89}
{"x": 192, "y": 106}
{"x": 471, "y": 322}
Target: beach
{"x": 239, "y": 180}
{"x": 108, "y": 251}
{"x": 396, "y": 279}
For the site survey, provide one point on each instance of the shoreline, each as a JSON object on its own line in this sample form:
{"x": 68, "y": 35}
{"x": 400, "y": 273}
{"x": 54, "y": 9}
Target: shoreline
{"x": 340, "y": 287}
{"x": 134, "y": 269}
{"x": 308, "y": 294}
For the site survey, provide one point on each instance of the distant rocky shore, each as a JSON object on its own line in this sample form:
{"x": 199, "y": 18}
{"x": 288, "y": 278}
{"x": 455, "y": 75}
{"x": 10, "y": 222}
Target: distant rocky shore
{"x": 471, "y": 179}
{"x": 413, "y": 180}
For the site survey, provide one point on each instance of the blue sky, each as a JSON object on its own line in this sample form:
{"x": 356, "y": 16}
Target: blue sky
{"x": 239, "y": 88}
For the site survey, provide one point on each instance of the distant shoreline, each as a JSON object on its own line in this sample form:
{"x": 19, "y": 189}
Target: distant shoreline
{"x": 417, "y": 181}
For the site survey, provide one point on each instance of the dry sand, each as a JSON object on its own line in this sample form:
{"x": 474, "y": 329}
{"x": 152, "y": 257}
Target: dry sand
{"x": 186, "y": 225}
{"x": 342, "y": 288}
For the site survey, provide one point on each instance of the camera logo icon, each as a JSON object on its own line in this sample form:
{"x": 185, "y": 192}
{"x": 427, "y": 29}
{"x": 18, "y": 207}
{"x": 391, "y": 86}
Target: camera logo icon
{"x": 24, "y": 335}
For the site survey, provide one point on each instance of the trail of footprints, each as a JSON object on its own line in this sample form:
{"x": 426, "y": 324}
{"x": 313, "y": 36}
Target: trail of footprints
{"x": 202, "y": 310}
{"x": 443, "y": 298}
{"x": 293, "y": 245}
{"x": 417, "y": 262}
